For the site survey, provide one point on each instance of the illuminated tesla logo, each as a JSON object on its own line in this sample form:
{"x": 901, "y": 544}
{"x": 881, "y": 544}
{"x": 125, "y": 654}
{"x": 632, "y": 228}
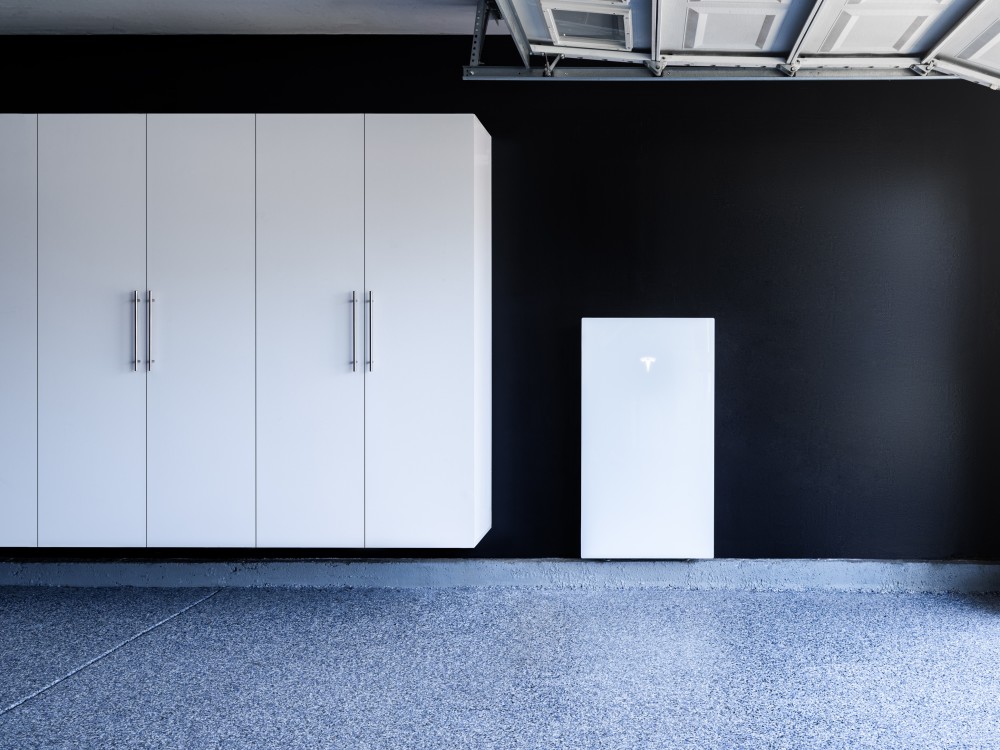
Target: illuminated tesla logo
{"x": 648, "y": 361}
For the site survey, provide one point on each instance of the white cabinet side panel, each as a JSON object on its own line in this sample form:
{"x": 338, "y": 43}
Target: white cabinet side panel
{"x": 419, "y": 396}
{"x": 201, "y": 385}
{"x": 483, "y": 330}
{"x": 647, "y": 451}
{"x": 310, "y": 400}
{"x": 18, "y": 331}
{"x": 91, "y": 258}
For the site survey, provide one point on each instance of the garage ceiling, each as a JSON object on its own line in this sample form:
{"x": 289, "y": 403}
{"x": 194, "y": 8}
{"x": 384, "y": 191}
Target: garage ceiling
{"x": 658, "y": 39}
{"x": 690, "y": 39}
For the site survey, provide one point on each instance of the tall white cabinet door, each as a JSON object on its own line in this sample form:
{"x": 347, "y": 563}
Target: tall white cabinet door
{"x": 18, "y": 330}
{"x": 91, "y": 398}
{"x": 310, "y": 392}
{"x": 420, "y": 387}
{"x": 201, "y": 277}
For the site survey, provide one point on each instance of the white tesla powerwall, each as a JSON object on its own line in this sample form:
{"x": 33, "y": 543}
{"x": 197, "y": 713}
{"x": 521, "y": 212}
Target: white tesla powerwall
{"x": 648, "y": 438}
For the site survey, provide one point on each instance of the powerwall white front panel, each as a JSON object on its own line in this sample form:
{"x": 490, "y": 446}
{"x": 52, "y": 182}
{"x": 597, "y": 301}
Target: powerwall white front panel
{"x": 648, "y": 438}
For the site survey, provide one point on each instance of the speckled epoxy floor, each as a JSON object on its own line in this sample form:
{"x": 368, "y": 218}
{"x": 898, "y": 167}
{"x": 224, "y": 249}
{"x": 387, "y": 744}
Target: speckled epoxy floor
{"x": 497, "y": 668}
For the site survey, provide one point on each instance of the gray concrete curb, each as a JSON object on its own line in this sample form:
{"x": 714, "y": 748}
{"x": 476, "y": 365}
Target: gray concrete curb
{"x": 749, "y": 575}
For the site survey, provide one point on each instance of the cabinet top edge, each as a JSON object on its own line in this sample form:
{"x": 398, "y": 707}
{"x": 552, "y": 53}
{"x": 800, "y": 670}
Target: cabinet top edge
{"x": 663, "y": 317}
{"x": 245, "y": 114}
{"x": 475, "y": 118}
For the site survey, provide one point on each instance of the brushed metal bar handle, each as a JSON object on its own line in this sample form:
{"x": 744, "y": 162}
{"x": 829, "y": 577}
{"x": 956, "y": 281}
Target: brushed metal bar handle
{"x": 135, "y": 330}
{"x": 354, "y": 331}
{"x": 371, "y": 327}
{"x": 149, "y": 330}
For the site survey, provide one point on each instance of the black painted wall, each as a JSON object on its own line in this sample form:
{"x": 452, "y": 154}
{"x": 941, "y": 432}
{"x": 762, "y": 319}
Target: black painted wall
{"x": 845, "y": 236}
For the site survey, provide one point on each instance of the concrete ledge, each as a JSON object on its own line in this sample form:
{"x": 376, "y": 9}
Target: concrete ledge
{"x": 752, "y": 575}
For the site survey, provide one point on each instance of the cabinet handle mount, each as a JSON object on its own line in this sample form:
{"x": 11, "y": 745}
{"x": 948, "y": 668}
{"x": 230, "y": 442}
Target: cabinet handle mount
{"x": 371, "y": 326}
{"x": 135, "y": 330}
{"x": 149, "y": 330}
{"x": 354, "y": 331}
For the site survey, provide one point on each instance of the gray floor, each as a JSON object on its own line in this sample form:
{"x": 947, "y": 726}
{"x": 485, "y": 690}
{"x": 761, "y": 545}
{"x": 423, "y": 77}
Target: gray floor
{"x": 496, "y": 668}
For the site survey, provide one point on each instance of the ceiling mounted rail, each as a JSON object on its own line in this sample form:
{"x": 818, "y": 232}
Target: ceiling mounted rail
{"x": 681, "y": 40}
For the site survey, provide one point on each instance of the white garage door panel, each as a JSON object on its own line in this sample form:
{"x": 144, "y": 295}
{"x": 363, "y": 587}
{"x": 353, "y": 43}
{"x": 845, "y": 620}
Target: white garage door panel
{"x": 875, "y": 27}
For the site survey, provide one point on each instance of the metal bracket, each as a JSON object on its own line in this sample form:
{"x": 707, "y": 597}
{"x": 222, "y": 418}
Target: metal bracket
{"x": 550, "y": 65}
{"x": 656, "y": 67}
{"x": 957, "y": 70}
{"x": 509, "y": 15}
{"x": 789, "y": 70}
{"x": 923, "y": 69}
{"x": 486, "y": 10}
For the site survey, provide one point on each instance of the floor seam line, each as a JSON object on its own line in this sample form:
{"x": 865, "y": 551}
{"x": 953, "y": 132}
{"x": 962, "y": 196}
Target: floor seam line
{"x": 110, "y": 651}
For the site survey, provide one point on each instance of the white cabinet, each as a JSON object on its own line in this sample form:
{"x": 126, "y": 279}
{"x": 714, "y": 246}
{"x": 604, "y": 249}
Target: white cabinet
{"x": 18, "y": 326}
{"x": 647, "y": 451}
{"x": 200, "y": 231}
{"x": 373, "y": 330}
{"x": 310, "y": 289}
{"x": 427, "y": 390}
{"x": 146, "y": 408}
{"x": 263, "y": 330}
{"x": 91, "y": 399}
